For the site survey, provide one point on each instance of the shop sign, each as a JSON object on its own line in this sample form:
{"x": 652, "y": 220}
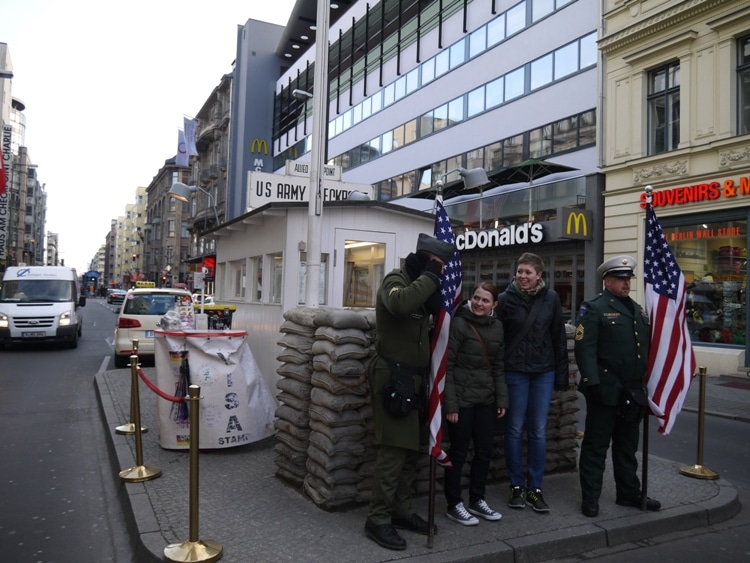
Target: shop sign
{"x": 263, "y": 188}
{"x": 512, "y": 235}
{"x": 576, "y": 223}
{"x": 709, "y": 191}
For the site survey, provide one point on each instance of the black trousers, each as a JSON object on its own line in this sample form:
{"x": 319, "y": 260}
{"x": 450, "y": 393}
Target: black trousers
{"x": 477, "y": 425}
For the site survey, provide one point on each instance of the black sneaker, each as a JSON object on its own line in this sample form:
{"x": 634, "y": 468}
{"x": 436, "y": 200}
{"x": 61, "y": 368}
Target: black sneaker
{"x": 482, "y": 509}
{"x": 414, "y": 523}
{"x": 590, "y": 507}
{"x": 517, "y": 497}
{"x": 635, "y": 502}
{"x": 385, "y": 536}
{"x": 460, "y": 515}
{"x": 535, "y": 500}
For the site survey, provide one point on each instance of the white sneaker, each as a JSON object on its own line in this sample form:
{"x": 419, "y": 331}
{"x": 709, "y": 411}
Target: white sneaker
{"x": 481, "y": 509}
{"x": 459, "y": 514}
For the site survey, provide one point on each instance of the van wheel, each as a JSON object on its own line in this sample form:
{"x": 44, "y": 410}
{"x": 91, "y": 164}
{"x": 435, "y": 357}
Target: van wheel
{"x": 121, "y": 361}
{"x": 73, "y": 344}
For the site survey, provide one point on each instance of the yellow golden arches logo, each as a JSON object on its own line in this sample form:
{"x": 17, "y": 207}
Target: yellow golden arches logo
{"x": 259, "y": 145}
{"x": 577, "y": 224}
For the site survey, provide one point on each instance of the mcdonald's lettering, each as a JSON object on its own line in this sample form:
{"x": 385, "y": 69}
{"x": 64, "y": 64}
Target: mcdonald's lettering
{"x": 508, "y": 236}
{"x": 258, "y": 164}
{"x": 259, "y": 146}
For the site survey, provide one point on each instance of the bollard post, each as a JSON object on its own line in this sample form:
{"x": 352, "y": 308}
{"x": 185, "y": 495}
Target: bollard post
{"x": 194, "y": 549}
{"x": 697, "y": 470}
{"x": 139, "y": 472}
{"x": 129, "y": 428}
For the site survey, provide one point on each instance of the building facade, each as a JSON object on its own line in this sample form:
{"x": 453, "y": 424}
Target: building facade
{"x": 677, "y": 113}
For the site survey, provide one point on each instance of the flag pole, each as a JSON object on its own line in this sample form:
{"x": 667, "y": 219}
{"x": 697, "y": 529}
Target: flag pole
{"x": 644, "y": 463}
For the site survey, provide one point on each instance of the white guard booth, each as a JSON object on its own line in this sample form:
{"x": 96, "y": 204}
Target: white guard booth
{"x": 236, "y": 405}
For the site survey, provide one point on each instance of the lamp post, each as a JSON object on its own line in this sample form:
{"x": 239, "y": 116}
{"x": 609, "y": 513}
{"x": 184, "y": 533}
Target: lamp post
{"x": 317, "y": 154}
{"x": 473, "y": 178}
{"x": 182, "y": 192}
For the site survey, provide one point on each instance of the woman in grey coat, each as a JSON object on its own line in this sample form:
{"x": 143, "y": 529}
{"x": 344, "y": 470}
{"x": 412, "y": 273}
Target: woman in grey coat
{"x": 475, "y": 396}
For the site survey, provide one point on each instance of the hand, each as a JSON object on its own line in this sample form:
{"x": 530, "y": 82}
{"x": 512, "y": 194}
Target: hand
{"x": 452, "y": 417}
{"x": 500, "y": 413}
{"x": 434, "y": 267}
{"x": 594, "y": 393}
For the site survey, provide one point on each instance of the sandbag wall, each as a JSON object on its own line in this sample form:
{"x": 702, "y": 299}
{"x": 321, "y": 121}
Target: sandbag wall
{"x": 324, "y": 440}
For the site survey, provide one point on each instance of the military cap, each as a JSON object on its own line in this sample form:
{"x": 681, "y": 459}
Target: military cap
{"x": 619, "y": 266}
{"x": 441, "y": 249}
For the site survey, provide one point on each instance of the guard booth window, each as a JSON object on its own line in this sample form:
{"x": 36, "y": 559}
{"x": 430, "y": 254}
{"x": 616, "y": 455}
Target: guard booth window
{"x": 364, "y": 271}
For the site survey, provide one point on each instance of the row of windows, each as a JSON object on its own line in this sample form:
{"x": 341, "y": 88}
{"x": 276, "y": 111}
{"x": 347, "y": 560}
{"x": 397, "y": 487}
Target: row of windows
{"x": 505, "y": 25}
{"x": 571, "y": 133}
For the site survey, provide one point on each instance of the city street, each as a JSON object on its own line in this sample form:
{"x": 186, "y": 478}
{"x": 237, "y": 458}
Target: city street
{"x": 58, "y": 491}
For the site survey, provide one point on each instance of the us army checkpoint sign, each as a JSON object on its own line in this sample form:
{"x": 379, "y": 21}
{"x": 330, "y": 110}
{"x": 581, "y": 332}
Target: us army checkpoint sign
{"x": 263, "y": 188}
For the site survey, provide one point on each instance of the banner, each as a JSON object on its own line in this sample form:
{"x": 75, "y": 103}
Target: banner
{"x": 182, "y": 158}
{"x": 190, "y": 127}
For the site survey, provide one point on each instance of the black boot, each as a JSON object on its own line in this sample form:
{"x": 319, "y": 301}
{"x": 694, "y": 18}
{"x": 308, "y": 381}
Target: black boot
{"x": 385, "y": 535}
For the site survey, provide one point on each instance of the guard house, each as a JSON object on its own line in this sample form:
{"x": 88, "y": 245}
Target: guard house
{"x": 261, "y": 261}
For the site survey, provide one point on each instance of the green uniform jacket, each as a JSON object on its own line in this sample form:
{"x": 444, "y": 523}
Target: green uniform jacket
{"x": 403, "y": 335}
{"x": 469, "y": 381}
{"x": 611, "y": 343}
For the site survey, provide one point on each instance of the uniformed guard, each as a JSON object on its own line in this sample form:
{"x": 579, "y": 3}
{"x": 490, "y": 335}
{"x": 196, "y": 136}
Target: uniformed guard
{"x": 611, "y": 349}
{"x": 406, "y": 300}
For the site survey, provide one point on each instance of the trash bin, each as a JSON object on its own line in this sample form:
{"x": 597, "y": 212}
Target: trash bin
{"x": 219, "y": 316}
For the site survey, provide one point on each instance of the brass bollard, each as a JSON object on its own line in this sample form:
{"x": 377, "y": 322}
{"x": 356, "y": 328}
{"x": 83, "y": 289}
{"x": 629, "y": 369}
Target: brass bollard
{"x": 129, "y": 428}
{"x": 697, "y": 470}
{"x": 194, "y": 549}
{"x": 139, "y": 472}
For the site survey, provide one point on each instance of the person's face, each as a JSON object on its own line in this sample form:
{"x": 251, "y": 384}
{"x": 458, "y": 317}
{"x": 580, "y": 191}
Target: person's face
{"x": 526, "y": 276}
{"x": 482, "y": 302}
{"x": 619, "y": 287}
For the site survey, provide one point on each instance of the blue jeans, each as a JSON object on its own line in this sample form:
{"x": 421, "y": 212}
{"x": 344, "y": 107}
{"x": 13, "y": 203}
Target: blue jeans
{"x": 529, "y": 397}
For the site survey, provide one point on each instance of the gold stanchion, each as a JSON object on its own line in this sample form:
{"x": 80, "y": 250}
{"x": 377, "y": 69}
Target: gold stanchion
{"x": 194, "y": 549}
{"x": 139, "y": 472}
{"x": 129, "y": 428}
{"x": 697, "y": 470}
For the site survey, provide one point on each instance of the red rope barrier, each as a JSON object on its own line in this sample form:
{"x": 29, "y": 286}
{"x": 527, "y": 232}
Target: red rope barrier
{"x": 158, "y": 391}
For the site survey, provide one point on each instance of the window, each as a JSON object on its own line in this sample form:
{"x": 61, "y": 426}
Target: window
{"x": 257, "y": 265}
{"x": 514, "y": 84}
{"x": 240, "y": 270}
{"x": 475, "y": 102}
{"x": 170, "y": 228}
{"x": 277, "y": 280}
{"x": 664, "y": 108}
{"x": 743, "y": 85}
{"x": 495, "y": 94}
{"x": 323, "y": 289}
{"x": 541, "y": 72}
{"x": 364, "y": 270}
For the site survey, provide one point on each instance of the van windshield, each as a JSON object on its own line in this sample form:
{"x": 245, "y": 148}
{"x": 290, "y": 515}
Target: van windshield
{"x": 37, "y": 291}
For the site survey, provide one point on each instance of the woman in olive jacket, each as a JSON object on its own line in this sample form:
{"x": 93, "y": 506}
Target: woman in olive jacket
{"x": 475, "y": 396}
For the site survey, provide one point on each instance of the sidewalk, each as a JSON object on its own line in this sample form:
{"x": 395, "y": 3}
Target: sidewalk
{"x": 255, "y": 516}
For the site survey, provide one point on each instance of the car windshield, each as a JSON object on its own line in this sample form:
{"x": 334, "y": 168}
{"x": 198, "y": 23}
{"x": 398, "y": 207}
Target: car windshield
{"x": 37, "y": 291}
{"x": 150, "y": 303}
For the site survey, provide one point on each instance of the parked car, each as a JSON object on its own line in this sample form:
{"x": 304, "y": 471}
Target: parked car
{"x": 140, "y": 312}
{"x": 116, "y": 296}
{"x": 207, "y": 299}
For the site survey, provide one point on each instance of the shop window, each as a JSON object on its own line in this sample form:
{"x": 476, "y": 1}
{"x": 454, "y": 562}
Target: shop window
{"x": 743, "y": 84}
{"x": 664, "y": 108}
{"x": 364, "y": 271}
{"x": 713, "y": 258}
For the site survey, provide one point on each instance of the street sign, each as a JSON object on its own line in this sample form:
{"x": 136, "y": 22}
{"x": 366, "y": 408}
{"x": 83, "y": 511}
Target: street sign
{"x": 263, "y": 188}
{"x": 298, "y": 168}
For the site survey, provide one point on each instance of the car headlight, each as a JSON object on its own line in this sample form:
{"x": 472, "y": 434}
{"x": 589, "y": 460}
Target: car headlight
{"x": 4, "y": 320}
{"x": 65, "y": 319}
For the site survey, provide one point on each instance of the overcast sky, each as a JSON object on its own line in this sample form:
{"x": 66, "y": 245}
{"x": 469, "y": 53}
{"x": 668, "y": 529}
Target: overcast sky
{"x": 106, "y": 86}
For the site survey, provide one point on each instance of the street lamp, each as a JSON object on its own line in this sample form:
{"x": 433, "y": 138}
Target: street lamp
{"x": 317, "y": 155}
{"x": 183, "y": 191}
{"x": 473, "y": 178}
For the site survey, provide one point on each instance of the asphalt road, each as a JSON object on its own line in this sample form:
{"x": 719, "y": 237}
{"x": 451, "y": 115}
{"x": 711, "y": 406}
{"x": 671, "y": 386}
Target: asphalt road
{"x": 59, "y": 497}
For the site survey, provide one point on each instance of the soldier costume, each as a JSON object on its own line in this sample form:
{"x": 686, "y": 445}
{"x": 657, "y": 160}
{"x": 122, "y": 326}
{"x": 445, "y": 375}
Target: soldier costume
{"x": 611, "y": 349}
{"x": 405, "y": 302}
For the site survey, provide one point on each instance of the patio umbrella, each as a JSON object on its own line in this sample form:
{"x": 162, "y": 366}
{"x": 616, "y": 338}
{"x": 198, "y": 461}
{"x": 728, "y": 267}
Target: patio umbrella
{"x": 528, "y": 171}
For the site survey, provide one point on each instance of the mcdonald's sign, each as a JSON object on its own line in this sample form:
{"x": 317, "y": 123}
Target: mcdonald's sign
{"x": 576, "y": 223}
{"x": 259, "y": 146}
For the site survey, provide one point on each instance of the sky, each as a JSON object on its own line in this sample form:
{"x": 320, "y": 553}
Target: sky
{"x": 106, "y": 86}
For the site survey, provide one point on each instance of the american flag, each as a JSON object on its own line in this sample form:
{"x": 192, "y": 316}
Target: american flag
{"x": 450, "y": 289}
{"x": 671, "y": 361}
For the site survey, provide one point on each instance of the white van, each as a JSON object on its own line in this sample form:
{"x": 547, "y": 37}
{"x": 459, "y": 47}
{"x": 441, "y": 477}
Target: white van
{"x": 41, "y": 303}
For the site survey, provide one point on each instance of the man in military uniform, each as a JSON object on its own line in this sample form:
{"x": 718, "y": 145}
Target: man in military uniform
{"x": 611, "y": 349}
{"x": 406, "y": 300}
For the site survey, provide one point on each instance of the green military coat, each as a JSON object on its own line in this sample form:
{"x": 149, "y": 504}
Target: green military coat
{"x": 403, "y": 335}
{"x": 611, "y": 343}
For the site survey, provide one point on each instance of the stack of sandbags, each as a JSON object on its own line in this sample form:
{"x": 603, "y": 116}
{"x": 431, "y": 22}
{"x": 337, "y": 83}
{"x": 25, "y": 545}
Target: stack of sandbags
{"x": 293, "y": 414}
{"x": 340, "y": 446}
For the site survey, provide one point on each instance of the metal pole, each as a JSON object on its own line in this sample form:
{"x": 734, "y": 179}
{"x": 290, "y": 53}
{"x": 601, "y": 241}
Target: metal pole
{"x": 317, "y": 155}
{"x": 697, "y": 470}
{"x": 129, "y": 428}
